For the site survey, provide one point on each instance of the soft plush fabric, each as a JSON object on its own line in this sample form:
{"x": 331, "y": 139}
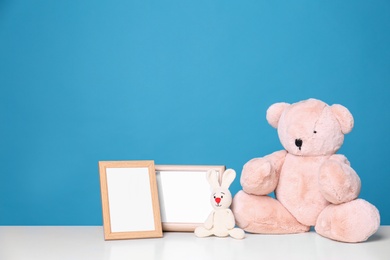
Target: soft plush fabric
{"x": 221, "y": 220}
{"x": 313, "y": 185}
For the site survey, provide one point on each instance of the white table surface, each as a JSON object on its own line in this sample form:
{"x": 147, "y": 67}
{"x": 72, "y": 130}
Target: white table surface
{"x": 87, "y": 242}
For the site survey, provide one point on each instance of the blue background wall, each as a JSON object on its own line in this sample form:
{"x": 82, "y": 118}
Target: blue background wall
{"x": 179, "y": 82}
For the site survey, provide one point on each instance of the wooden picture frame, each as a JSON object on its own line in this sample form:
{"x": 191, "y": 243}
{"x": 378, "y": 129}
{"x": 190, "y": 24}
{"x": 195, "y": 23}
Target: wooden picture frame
{"x": 130, "y": 201}
{"x": 184, "y": 195}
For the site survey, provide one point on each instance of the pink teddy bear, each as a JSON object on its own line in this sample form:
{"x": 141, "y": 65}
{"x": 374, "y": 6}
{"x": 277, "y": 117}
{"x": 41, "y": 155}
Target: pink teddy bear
{"x": 313, "y": 185}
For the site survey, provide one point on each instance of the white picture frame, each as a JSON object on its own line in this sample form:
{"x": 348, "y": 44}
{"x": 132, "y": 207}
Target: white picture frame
{"x": 184, "y": 195}
{"x": 130, "y": 201}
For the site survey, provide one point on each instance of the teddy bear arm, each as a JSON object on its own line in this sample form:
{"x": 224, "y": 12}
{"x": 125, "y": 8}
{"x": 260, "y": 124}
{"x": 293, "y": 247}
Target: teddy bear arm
{"x": 338, "y": 181}
{"x": 340, "y": 158}
{"x": 261, "y": 175}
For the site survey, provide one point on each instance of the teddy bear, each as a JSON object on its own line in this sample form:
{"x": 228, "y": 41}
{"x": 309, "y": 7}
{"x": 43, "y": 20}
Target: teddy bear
{"x": 313, "y": 185}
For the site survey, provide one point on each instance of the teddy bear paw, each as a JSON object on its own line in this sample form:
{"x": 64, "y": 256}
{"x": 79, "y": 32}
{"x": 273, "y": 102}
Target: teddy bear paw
{"x": 258, "y": 177}
{"x": 339, "y": 183}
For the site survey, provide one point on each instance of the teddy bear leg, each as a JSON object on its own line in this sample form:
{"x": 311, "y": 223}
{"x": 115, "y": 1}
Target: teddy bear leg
{"x": 265, "y": 215}
{"x": 352, "y": 222}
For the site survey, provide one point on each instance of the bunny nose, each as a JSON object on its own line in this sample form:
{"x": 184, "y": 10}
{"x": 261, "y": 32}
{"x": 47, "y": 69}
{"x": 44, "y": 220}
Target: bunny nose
{"x": 218, "y": 200}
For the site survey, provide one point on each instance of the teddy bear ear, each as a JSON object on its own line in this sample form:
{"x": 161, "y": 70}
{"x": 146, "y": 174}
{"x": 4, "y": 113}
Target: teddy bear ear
{"x": 274, "y": 112}
{"x": 344, "y": 117}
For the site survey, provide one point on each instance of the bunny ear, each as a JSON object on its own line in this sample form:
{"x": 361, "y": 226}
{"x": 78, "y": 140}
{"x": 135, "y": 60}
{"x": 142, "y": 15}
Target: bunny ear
{"x": 212, "y": 177}
{"x": 227, "y": 178}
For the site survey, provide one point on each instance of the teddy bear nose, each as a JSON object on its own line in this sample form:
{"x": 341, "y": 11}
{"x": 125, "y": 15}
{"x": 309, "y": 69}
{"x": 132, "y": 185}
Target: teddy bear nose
{"x": 298, "y": 143}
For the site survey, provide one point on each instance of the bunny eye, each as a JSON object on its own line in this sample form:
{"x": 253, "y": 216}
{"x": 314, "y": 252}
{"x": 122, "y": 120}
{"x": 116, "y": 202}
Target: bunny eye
{"x": 214, "y": 197}
{"x": 221, "y": 197}
{"x": 315, "y": 131}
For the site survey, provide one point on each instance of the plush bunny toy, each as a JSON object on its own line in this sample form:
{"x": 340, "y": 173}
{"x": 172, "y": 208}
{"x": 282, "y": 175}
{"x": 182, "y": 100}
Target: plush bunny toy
{"x": 221, "y": 220}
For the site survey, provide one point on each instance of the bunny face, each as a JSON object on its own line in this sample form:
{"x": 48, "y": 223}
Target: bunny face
{"x": 221, "y": 198}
